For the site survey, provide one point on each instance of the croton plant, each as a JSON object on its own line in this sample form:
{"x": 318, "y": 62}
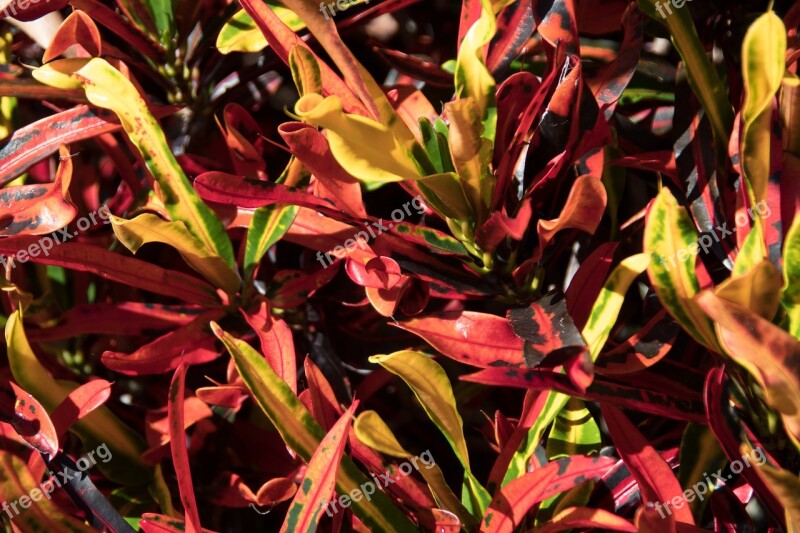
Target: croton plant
{"x": 266, "y": 255}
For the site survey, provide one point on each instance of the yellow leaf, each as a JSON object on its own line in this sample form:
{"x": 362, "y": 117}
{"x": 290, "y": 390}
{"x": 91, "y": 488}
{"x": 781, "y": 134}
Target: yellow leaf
{"x": 367, "y": 149}
{"x": 148, "y": 228}
{"x": 757, "y": 290}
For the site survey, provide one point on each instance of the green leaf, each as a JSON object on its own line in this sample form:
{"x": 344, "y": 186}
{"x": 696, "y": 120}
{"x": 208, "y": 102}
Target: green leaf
{"x": 574, "y": 432}
{"x": 268, "y": 226}
{"x": 107, "y": 88}
{"x": 163, "y": 12}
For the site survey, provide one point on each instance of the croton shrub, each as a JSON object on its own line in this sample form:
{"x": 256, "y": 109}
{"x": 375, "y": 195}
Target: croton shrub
{"x": 400, "y": 265}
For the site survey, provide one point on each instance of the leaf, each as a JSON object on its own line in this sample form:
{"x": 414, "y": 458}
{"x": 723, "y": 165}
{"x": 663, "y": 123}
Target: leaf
{"x": 163, "y": 15}
{"x": 574, "y": 432}
{"x": 77, "y": 29}
{"x": 191, "y": 344}
{"x": 472, "y": 338}
{"x": 757, "y": 290}
{"x": 514, "y": 500}
{"x": 241, "y": 34}
{"x": 38, "y": 209}
{"x": 122, "y": 27}
{"x": 545, "y": 326}
{"x": 432, "y": 388}
{"x": 149, "y": 228}
{"x": 472, "y": 78}
{"x": 669, "y": 235}
{"x": 42, "y": 515}
{"x": 654, "y": 476}
{"x": 79, "y": 403}
{"x": 370, "y": 429}
{"x": 34, "y": 142}
{"x": 276, "y": 341}
{"x": 106, "y": 87}
{"x": 583, "y": 211}
{"x": 585, "y": 517}
{"x": 101, "y": 426}
{"x": 609, "y": 302}
{"x": 30, "y": 420}
{"x": 324, "y": 30}
{"x": 786, "y": 486}
{"x": 770, "y": 354}
{"x": 282, "y": 40}
{"x": 598, "y": 327}
{"x": 703, "y": 77}
{"x": 180, "y": 457}
{"x": 305, "y": 71}
{"x": 471, "y": 154}
{"x": 302, "y": 434}
{"x": 127, "y": 270}
{"x": 369, "y": 150}
{"x": 269, "y": 225}
{"x": 30, "y": 11}
{"x": 790, "y": 295}
{"x": 763, "y": 66}
{"x": 320, "y": 478}
{"x": 156, "y": 523}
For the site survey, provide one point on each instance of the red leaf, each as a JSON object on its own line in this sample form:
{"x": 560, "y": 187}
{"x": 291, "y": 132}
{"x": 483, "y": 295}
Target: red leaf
{"x": 545, "y": 326}
{"x": 514, "y": 500}
{"x": 123, "y": 318}
{"x": 77, "y": 30}
{"x": 324, "y": 405}
{"x": 79, "y": 403}
{"x": 121, "y": 27}
{"x": 472, "y": 338}
{"x": 656, "y": 481}
{"x": 445, "y": 521}
{"x": 28, "y": 418}
{"x": 116, "y": 267}
{"x": 38, "y": 209}
{"x": 180, "y": 456}
{"x": 583, "y": 210}
{"x": 191, "y": 344}
{"x": 311, "y": 148}
{"x": 311, "y": 499}
{"x": 277, "y": 344}
{"x": 587, "y": 282}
